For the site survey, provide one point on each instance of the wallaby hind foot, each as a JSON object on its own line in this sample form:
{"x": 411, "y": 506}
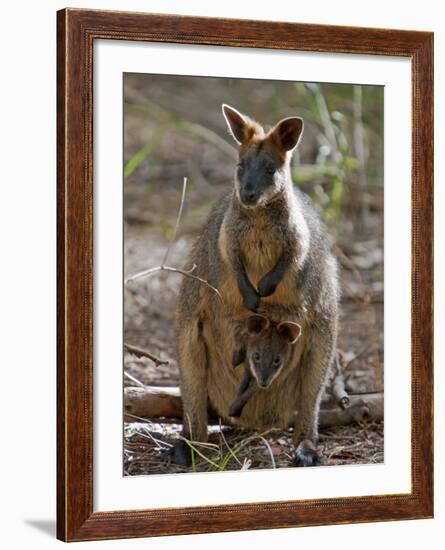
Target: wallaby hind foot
{"x": 179, "y": 454}
{"x": 306, "y": 455}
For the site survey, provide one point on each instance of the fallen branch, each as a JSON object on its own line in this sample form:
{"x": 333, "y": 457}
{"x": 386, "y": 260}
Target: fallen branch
{"x": 338, "y": 386}
{"x": 366, "y": 406}
{"x": 138, "y": 352}
{"x": 152, "y": 402}
{"x": 165, "y": 402}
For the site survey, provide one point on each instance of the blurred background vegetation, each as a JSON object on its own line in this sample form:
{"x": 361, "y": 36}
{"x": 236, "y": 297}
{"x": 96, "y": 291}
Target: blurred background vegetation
{"x": 174, "y": 128}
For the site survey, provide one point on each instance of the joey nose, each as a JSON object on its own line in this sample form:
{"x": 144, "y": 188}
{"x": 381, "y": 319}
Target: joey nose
{"x": 263, "y": 382}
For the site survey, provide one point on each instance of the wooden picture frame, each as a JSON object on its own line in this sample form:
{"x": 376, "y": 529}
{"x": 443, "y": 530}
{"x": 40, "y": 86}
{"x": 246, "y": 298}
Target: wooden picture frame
{"x": 76, "y": 32}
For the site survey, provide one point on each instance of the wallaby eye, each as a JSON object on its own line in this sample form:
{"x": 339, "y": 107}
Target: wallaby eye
{"x": 277, "y": 361}
{"x": 270, "y": 170}
{"x": 256, "y": 357}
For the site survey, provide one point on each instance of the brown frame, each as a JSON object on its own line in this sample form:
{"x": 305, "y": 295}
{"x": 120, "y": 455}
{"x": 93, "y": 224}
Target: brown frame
{"x": 76, "y": 32}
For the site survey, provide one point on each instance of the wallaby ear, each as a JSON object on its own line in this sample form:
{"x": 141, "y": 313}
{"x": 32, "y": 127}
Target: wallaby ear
{"x": 288, "y": 132}
{"x": 256, "y": 324}
{"x": 289, "y": 331}
{"x": 236, "y": 122}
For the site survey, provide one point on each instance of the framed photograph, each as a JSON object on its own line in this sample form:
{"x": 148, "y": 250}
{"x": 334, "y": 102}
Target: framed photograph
{"x": 245, "y": 229}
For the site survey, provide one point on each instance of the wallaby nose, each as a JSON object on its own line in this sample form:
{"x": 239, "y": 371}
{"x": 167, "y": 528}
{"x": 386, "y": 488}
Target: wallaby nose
{"x": 248, "y": 196}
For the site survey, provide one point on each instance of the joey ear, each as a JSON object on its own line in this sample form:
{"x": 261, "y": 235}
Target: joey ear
{"x": 256, "y": 324}
{"x": 288, "y": 132}
{"x": 289, "y": 331}
{"x": 236, "y": 122}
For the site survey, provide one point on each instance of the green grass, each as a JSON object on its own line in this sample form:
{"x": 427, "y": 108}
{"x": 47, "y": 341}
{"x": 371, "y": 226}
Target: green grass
{"x": 217, "y": 459}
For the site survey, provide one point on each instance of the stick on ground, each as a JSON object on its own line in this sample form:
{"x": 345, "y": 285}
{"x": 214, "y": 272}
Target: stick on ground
{"x": 139, "y": 352}
{"x": 156, "y": 402}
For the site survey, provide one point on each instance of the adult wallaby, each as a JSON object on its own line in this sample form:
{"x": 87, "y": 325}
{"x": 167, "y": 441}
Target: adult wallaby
{"x": 265, "y": 249}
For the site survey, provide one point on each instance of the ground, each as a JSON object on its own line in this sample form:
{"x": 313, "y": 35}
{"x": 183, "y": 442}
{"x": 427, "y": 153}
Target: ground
{"x": 149, "y": 313}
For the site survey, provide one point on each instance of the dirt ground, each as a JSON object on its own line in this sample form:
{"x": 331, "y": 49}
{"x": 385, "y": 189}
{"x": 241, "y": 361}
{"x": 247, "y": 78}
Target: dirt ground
{"x": 149, "y": 312}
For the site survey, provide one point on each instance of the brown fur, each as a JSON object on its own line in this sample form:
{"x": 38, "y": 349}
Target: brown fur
{"x": 308, "y": 294}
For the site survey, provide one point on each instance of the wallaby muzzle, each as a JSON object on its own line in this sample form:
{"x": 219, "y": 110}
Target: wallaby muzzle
{"x": 249, "y": 196}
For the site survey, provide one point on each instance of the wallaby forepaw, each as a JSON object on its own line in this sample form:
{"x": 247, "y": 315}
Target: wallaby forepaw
{"x": 238, "y": 357}
{"x": 306, "y": 455}
{"x": 266, "y": 287}
{"x": 252, "y": 301}
{"x": 235, "y": 410}
{"x": 179, "y": 454}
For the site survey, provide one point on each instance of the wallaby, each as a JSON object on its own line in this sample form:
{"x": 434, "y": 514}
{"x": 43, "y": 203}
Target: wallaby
{"x": 262, "y": 186}
{"x": 265, "y": 348}
{"x": 265, "y": 248}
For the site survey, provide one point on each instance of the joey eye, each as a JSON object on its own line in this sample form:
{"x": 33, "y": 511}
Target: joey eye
{"x": 270, "y": 170}
{"x": 277, "y": 361}
{"x": 256, "y": 357}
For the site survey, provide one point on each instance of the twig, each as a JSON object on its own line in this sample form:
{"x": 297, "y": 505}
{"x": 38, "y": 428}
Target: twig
{"x": 272, "y": 458}
{"x": 336, "y": 437}
{"x": 148, "y": 435}
{"x": 178, "y": 219}
{"x": 375, "y": 392}
{"x": 138, "y": 352}
{"x": 133, "y": 379}
{"x": 244, "y": 442}
{"x": 362, "y": 301}
{"x": 359, "y": 354}
{"x": 189, "y": 273}
{"x": 163, "y": 267}
{"x": 348, "y": 263}
{"x": 142, "y": 420}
